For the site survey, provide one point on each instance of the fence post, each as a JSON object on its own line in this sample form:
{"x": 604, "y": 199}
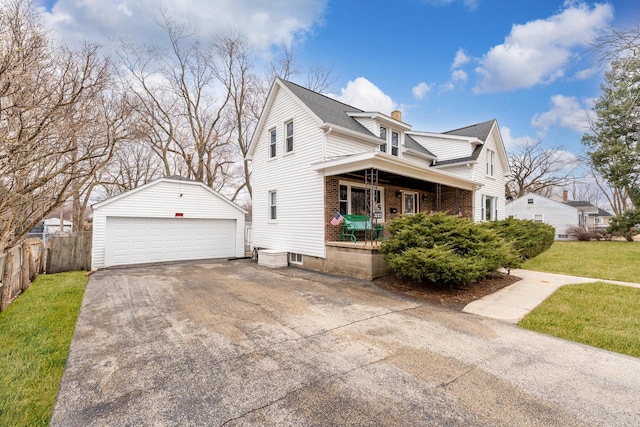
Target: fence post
{"x": 24, "y": 268}
{"x": 5, "y": 298}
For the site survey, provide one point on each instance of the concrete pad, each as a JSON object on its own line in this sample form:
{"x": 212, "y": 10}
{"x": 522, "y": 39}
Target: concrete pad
{"x": 237, "y": 344}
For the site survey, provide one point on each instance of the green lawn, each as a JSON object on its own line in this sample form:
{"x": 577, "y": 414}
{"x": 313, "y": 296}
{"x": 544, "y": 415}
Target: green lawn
{"x": 600, "y": 260}
{"x": 598, "y": 314}
{"x": 35, "y": 334}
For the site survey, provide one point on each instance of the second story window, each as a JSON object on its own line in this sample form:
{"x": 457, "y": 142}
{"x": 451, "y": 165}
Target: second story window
{"x": 491, "y": 163}
{"x": 289, "y": 137}
{"x": 272, "y": 143}
{"x": 383, "y": 136}
{"x": 395, "y": 148}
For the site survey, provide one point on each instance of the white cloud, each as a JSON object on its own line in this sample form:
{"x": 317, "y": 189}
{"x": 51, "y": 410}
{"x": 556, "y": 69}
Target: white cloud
{"x": 458, "y": 76}
{"x": 446, "y": 87}
{"x": 277, "y": 22}
{"x": 363, "y": 94}
{"x": 585, "y": 73}
{"x": 460, "y": 59}
{"x": 539, "y": 51}
{"x": 421, "y": 90}
{"x": 566, "y": 111}
{"x": 511, "y": 142}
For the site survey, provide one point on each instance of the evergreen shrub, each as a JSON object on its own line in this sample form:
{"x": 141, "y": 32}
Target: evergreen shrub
{"x": 530, "y": 238}
{"x": 441, "y": 248}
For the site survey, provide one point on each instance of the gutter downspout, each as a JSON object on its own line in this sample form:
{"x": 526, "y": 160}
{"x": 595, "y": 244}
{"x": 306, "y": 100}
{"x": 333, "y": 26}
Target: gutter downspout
{"x": 327, "y": 131}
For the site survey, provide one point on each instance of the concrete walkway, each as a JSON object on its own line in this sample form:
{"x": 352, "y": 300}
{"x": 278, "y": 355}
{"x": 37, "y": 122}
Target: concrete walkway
{"x": 514, "y": 302}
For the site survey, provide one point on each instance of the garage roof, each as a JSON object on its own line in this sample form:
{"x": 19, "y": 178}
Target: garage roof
{"x": 172, "y": 179}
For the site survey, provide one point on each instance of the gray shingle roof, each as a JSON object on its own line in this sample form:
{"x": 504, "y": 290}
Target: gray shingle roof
{"x": 479, "y": 130}
{"x": 578, "y": 203}
{"x": 602, "y": 212}
{"x": 335, "y": 112}
{"x": 329, "y": 110}
{"x": 409, "y": 142}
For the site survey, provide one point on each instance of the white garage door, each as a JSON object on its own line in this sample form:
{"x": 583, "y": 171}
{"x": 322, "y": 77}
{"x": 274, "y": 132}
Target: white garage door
{"x": 141, "y": 240}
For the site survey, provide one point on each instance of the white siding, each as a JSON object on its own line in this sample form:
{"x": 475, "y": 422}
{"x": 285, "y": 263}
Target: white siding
{"x": 557, "y": 214}
{"x": 300, "y": 220}
{"x": 442, "y": 148}
{"x": 339, "y": 145}
{"x": 163, "y": 199}
{"x": 461, "y": 170}
{"x": 369, "y": 123}
{"x": 492, "y": 186}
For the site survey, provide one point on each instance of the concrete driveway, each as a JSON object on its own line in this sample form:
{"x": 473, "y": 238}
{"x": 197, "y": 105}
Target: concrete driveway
{"x": 228, "y": 344}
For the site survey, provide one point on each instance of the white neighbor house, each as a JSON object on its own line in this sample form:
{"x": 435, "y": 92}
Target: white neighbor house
{"x": 559, "y": 214}
{"x": 313, "y": 156}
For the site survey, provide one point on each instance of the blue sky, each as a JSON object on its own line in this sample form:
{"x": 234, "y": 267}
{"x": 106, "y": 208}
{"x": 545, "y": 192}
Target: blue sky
{"x": 444, "y": 63}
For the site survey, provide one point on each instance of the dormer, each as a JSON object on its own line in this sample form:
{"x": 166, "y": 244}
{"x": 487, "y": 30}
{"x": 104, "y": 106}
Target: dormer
{"x": 390, "y": 129}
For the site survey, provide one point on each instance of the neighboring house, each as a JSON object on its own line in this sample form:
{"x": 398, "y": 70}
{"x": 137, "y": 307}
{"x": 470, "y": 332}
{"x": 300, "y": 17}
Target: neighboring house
{"x": 312, "y": 156}
{"x": 170, "y": 219}
{"x": 599, "y": 220}
{"x": 559, "y": 214}
{"x": 52, "y": 226}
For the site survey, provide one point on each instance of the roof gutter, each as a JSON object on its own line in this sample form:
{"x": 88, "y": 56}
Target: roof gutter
{"x": 348, "y": 132}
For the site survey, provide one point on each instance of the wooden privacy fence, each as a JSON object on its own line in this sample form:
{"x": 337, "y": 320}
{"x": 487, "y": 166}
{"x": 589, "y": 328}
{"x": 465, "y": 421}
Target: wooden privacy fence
{"x": 69, "y": 253}
{"x": 19, "y": 266}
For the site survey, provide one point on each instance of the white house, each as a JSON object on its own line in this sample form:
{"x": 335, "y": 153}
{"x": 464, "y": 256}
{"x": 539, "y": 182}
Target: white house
{"x": 313, "y": 156}
{"x": 170, "y": 219}
{"x": 52, "y": 226}
{"x": 559, "y": 214}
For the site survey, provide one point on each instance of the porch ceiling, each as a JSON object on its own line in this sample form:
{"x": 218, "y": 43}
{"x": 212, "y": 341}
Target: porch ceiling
{"x": 392, "y": 169}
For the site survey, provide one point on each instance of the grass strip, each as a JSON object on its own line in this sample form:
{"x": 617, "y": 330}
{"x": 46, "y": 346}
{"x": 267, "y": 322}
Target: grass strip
{"x": 35, "y": 335}
{"x": 600, "y": 260}
{"x": 598, "y": 314}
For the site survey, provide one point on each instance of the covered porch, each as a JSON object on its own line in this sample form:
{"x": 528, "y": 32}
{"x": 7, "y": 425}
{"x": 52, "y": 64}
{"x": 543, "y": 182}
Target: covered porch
{"x": 382, "y": 187}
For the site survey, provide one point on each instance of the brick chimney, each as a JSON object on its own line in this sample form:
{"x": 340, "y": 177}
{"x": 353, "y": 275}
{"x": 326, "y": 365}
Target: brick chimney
{"x": 396, "y": 115}
{"x": 565, "y": 195}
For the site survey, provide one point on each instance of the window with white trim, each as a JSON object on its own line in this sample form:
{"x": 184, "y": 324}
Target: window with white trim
{"x": 489, "y": 208}
{"x": 295, "y": 258}
{"x": 383, "y": 136}
{"x": 538, "y": 218}
{"x": 395, "y": 143}
{"x": 491, "y": 162}
{"x": 289, "y": 136}
{"x": 352, "y": 199}
{"x": 273, "y": 206}
{"x": 272, "y": 143}
{"x": 529, "y": 201}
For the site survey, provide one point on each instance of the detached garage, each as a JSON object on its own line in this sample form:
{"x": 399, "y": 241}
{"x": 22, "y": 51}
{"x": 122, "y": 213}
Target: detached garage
{"x": 171, "y": 219}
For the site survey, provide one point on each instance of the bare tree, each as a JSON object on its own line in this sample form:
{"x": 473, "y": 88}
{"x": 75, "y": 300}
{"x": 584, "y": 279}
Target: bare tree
{"x": 616, "y": 44}
{"x": 534, "y": 169}
{"x": 111, "y": 125}
{"x": 46, "y": 121}
{"x": 181, "y": 116}
{"x": 133, "y": 165}
{"x": 236, "y": 72}
{"x": 616, "y": 198}
{"x": 318, "y": 78}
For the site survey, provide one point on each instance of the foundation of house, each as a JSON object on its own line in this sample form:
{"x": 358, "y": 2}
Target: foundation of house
{"x": 358, "y": 260}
